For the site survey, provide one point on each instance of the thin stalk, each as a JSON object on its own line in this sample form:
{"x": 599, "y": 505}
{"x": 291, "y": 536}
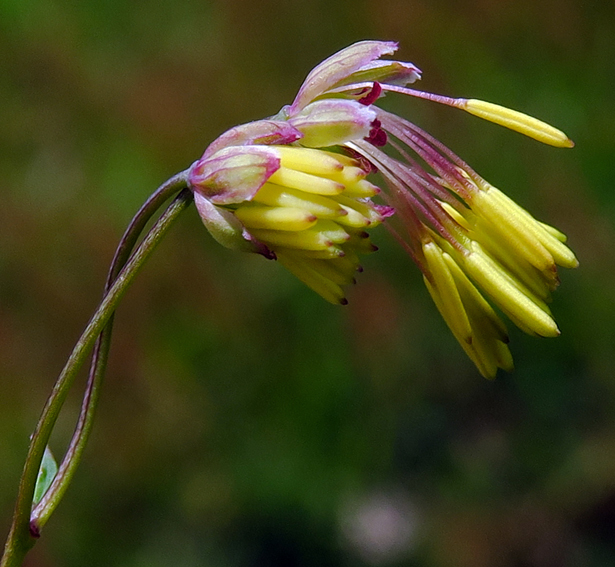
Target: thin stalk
{"x": 23, "y": 535}
{"x": 43, "y": 510}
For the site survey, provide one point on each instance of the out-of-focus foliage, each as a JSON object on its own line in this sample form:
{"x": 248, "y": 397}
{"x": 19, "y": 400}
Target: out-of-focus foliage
{"x": 244, "y": 421}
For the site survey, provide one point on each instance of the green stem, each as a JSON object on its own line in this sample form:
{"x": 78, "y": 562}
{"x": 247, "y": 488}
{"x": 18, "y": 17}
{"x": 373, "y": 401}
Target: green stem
{"x": 43, "y": 510}
{"x": 23, "y": 534}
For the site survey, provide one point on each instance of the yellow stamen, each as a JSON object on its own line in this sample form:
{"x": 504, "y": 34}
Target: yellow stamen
{"x": 552, "y": 242}
{"x": 337, "y": 273}
{"x": 342, "y": 158}
{"x": 309, "y": 160}
{"x": 305, "y": 182}
{"x": 531, "y": 277}
{"x": 277, "y": 218}
{"x": 348, "y": 175}
{"x": 489, "y": 275}
{"x": 446, "y": 291}
{"x": 485, "y": 351}
{"x": 361, "y": 189}
{"x": 508, "y": 225}
{"x": 476, "y": 305}
{"x": 363, "y": 209}
{"x": 353, "y": 218}
{"x": 322, "y": 285}
{"x": 320, "y": 237}
{"x": 501, "y": 250}
{"x": 554, "y": 232}
{"x": 277, "y": 196}
{"x": 519, "y": 122}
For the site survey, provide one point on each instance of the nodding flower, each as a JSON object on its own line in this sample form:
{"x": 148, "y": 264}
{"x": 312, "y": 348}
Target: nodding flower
{"x": 294, "y": 188}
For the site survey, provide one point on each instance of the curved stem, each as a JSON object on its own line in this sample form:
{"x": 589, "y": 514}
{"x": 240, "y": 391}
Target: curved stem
{"x": 23, "y": 535}
{"x": 43, "y": 510}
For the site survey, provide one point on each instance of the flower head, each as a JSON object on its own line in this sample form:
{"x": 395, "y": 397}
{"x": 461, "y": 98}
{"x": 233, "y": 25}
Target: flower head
{"x": 294, "y": 188}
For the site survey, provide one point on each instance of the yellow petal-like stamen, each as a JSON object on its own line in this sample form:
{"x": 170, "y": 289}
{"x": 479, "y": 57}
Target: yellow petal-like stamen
{"x": 321, "y": 236}
{"x": 345, "y": 160}
{"x": 322, "y": 285}
{"x": 507, "y": 295}
{"x": 476, "y": 305}
{"x": 484, "y": 350}
{"x": 531, "y": 277}
{"x": 305, "y": 182}
{"x": 445, "y": 289}
{"x": 277, "y": 196}
{"x": 554, "y": 232}
{"x": 309, "y": 160}
{"x": 511, "y": 227}
{"x": 562, "y": 255}
{"x": 361, "y": 189}
{"x": 362, "y": 208}
{"x": 333, "y": 231}
{"x": 354, "y": 218}
{"x": 333, "y": 271}
{"x": 278, "y": 218}
{"x": 501, "y": 250}
{"x": 518, "y": 121}
{"x": 348, "y": 175}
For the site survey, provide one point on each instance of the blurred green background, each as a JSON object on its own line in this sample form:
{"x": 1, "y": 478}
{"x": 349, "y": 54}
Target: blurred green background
{"x": 244, "y": 421}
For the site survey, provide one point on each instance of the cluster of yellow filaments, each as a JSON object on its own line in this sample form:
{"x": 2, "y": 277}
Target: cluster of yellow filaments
{"x": 312, "y": 213}
{"x": 512, "y": 257}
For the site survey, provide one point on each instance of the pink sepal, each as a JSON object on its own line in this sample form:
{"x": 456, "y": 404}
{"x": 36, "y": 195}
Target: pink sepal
{"x": 331, "y": 122}
{"x": 233, "y": 174}
{"x": 260, "y": 132}
{"x": 335, "y": 69}
{"x": 223, "y": 225}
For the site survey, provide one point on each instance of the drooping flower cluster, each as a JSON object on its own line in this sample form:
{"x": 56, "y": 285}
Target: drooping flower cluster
{"x": 294, "y": 187}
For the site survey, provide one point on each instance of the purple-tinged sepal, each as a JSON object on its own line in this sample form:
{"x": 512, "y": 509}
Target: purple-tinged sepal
{"x": 260, "y": 132}
{"x": 333, "y": 122}
{"x": 233, "y": 174}
{"x": 224, "y": 226}
{"x": 335, "y": 69}
{"x": 399, "y": 73}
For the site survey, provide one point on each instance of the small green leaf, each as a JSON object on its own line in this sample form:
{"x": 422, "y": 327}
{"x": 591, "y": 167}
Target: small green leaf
{"x": 46, "y": 474}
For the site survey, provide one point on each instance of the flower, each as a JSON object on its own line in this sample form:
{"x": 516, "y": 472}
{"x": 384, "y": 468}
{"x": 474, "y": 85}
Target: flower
{"x": 293, "y": 188}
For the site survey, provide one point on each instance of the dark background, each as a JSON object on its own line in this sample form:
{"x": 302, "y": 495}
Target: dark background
{"x": 244, "y": 421}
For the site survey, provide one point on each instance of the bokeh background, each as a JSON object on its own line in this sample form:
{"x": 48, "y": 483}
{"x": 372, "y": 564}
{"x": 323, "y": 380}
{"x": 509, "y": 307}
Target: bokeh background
{"x": 244, "y": 421}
